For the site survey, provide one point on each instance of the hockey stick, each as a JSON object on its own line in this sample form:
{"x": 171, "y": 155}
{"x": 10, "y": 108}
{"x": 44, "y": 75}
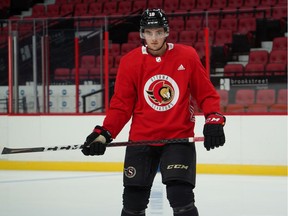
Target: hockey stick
{"x": 6, "y": 150}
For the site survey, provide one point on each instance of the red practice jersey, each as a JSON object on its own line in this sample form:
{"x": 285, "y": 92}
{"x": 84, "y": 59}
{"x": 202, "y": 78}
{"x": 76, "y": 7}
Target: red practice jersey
{"x": 156, "y": 92}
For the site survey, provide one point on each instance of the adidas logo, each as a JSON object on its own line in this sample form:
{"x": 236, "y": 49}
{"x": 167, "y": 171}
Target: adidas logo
{"x": 181, "y": 67}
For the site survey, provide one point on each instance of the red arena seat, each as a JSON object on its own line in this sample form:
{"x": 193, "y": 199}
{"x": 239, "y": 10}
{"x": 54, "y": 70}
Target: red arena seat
{"x": 258, "y": 57}
{"x": 233, "y": 70}
{"x": 278, "y": 56}
{"x": 279, "y": 43}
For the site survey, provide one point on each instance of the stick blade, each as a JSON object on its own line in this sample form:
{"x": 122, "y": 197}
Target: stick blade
{"x": 21, "y": 150}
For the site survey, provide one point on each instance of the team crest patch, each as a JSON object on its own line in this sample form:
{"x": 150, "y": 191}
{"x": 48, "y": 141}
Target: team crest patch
{"x": 161, "y": 92}
{"x": 130, "y": 172}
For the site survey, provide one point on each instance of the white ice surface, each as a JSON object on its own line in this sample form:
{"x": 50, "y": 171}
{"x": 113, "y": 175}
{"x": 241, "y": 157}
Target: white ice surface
{"x": 45, "y": 193}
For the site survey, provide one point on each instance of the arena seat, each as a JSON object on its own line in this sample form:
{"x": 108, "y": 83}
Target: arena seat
{"x": 278, "y": 56}
{"x": 224, "y": 98}
{"x": 109, "y": 8}
{"x": 282, "y": 2}
{"x": 139, "y": 5}
{"x": 95, "y": 8}
{"x": 113, "y": 73}
{"x": 98, "y": 60}
{"x": 276, "y": 69}
{"x": 266, "y": 96}
{"x": 279, "y": 43}
{"x": 229, "y": 23}
{"x": 245, "y": 97}
{"x": 88, "y": 1}
{"x": 95, "y": 73}
{"x": 177, "y": 25}
{"x": 263, "y": 11}
{"x": 67, "y": 9}
{"x": 115, "y": 49}
{"x": 80, "y": 9}
{"x": 268, "y": 2}
{"x": 124, "y": 7}
{"x": 256, "y": 108}
{"x": 52, "y": 10}
{"x": 203, "y": 4}
{"x": 223, "y": 37}
{"x": 201, "y": 36}
{"x": 117, "y": 60}
{"x": 281, "y": 102}
{"x": 60, "y": 2}
{"x": 83, "y": 73}
{"x": 187, "y": 5}
{"x": 233, "y": 70}
{"x": 251, "y": 3}
{"x": 134, "y": 37}
{"x": 282, "y": 96}
{"x": 246, "y": 12}
{"x": 281, "y": 108}
{"x": 193, "y": 24}
{"x": 88, "y": 61}
{"x": 188, "y": 37}
{"x": 173, "y": 37}
{"x": 38, "y": 11}
{"x": 219, "y": 4}
{"x": 126, "y": 47}
{"x": 61, "y": 74}
{"x": 235, "y": 108}
{"x": 74, "y": 1}
{"x": 254, "y": 69}
{"x": 246, "y": 25}
{"x": 154, "y": 3}
{"x": 200, "y": 48}
{"x": 233, "y": 4}
{"x": 171, "y": 5}
{"x": 280, "y": 12}
{"x": 212, "y": 23}
{"x": 258, "y": 57}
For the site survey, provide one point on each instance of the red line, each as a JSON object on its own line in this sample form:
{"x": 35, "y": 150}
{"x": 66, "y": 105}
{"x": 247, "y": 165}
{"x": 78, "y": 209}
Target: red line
{"x": 106, "y": 69}
{"x": 10, "y": 76}
{"x": 207, "y": 50}
{"x": 77, "y": 73}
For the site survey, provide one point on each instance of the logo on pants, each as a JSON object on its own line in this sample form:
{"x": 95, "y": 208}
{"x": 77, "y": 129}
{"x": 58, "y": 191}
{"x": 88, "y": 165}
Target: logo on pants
{"x": 130, "y": 172}
{"x": 177, "y": 166}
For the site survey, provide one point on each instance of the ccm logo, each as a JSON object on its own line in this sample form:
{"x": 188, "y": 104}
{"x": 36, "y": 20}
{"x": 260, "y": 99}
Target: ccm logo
{"x": 177, "y": 166}
{"x": 213, "y": 120}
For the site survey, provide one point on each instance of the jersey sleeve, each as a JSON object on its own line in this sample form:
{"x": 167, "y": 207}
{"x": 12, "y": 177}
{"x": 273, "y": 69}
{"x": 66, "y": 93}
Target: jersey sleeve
{"x": 122, "y": 102}
{"x": 202, "y": 90}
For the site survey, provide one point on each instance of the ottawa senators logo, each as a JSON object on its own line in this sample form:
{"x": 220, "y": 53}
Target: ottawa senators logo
{"x": 161, "y": 92}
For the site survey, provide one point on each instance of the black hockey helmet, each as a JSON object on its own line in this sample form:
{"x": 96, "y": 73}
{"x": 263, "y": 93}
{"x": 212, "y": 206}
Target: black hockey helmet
{"x": 153, "y": 18}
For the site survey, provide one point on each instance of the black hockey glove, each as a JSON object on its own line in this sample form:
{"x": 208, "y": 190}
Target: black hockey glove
{"x": 213, "y": 131}
{"x": 96, "y": 142}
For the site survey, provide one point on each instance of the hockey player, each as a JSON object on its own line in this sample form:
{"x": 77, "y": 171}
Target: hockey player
{"x": 154, "y": 85}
